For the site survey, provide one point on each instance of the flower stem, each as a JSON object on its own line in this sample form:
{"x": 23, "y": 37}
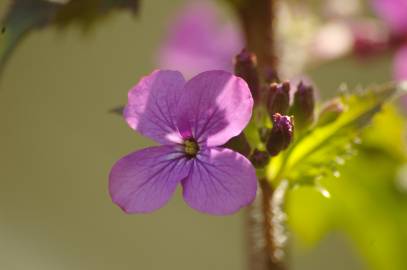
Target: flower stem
{"x": 264, "y": 252}
{"x": 257, "y": 19}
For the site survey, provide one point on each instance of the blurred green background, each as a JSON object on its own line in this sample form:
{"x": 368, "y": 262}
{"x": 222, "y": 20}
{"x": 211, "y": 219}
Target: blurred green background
{"x": 58, "y": 143}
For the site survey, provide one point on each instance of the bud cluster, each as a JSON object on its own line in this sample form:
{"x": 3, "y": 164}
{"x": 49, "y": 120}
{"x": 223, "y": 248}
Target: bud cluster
{"x": 269, "y": 91}
{"x": 301, "y": 111}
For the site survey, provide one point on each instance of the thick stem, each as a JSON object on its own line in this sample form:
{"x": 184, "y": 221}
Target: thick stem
{"x": 257, "y": 19}
{"x": 264, "y": 251}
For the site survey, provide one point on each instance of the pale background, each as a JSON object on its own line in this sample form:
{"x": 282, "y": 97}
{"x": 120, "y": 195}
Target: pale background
{"x": 58, "y": 143}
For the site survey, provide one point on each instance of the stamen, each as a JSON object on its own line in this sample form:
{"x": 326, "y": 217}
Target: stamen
{"x": 191, "y": 147}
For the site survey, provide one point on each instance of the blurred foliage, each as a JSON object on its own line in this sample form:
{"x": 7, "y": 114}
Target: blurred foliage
{"x": 23, "y": 16}
{"x": 367, "y": 202}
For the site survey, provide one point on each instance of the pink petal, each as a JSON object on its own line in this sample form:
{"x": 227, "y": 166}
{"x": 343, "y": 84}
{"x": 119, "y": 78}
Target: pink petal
{"x": 215, "y": 106}
{"x": 393, "y": 12}
{"x": 220, "y": 183}
{"x": 151, "y": 105}
{"x": 400, "y": 64}
{"x": 144, "y": 180}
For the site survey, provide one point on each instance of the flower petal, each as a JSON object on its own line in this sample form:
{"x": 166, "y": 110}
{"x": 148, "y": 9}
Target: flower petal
{"x": 400, "y": 64}
{"x": 144, "y": 180}
{"x": 151, "y": 105}
{"x": 221, "y": 182}
{"x": 215, "y": 106}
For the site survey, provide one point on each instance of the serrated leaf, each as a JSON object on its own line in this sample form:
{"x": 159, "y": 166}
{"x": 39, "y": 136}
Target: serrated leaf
{"x": 368, "y": 202}
{"x": 24, "y": 16}
{"x": 323, "y": 149}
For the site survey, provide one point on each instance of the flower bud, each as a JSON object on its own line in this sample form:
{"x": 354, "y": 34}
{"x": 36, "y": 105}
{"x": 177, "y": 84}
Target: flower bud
{"x": 330, "y": 112}
{"x": 278, "y": 100}
{"x": 281, "y": 134}
{"x": 246, "y": 68}
{"x": 303, "y": 106}
{"x": 239, "y": 144}
{"x": 259, "y": 159}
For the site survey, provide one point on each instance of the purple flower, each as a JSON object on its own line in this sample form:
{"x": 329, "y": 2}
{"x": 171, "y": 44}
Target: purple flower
{"x": 191, "y": 120}
{"x": 394, "y": 13}
{"x": 199, "y": 41}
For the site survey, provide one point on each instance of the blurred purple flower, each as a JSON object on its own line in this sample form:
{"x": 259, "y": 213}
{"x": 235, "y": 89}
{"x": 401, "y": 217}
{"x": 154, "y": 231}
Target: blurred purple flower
{"x": 191, "y": 120}
{"x": 394, "y": 13}
{"x": 198, "y": 40}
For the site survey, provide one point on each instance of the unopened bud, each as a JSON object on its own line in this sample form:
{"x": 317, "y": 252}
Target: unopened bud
{"x": 259, "y": 158}
{"x": 278, "y": 100}
{"x": 303, "y": 106}
{"x": 246, "y": 68}
{"x": 330, "y": 112}
{"x": 239, "y": 144}
{"x": 281, "y": 134}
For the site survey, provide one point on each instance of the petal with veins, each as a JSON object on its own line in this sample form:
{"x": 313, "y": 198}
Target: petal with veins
{"x": 214, "y": 107}
{"x": 151, "y": 105}
{"x": 144, "y": 180}
{"x": 220, "y": 183}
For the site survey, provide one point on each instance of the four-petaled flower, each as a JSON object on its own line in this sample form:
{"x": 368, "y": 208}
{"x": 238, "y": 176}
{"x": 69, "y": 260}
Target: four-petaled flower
{"x": 191, "y": 120}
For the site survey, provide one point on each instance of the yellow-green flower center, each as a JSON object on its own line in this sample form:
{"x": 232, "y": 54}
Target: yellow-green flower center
{"x": 191, "y": 147}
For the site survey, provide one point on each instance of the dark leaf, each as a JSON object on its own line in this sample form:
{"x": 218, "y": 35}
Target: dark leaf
{"x": 23, "y": 16}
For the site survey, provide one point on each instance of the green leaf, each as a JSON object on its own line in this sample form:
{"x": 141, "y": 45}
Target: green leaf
{"x": 24, "y": 16}
{"x": 368, "y": 202}
{"x": 259, "y": 120}
{"x": 323, "y": 149}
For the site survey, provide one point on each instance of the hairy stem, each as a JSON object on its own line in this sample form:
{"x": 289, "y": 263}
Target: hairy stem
{"x": 257, "y": 20}
{"x": 264, "y": 217}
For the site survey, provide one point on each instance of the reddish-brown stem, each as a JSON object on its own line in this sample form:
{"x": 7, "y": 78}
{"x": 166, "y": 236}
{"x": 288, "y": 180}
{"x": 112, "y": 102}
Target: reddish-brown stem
{"x": 257, "y": 20}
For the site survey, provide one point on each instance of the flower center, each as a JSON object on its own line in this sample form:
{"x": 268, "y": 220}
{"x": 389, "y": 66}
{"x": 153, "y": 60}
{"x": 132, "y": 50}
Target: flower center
{"x": 191, "y": 147}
